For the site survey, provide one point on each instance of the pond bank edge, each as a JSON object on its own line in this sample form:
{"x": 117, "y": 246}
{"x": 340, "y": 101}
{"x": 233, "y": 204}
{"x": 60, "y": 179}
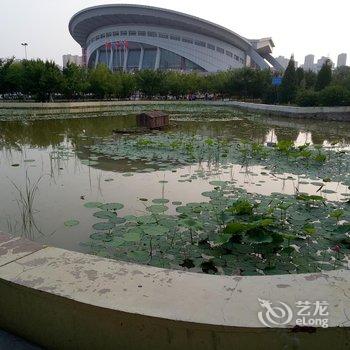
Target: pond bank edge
{"x": 36, "y": 110}
{"x": 63, "y": 299}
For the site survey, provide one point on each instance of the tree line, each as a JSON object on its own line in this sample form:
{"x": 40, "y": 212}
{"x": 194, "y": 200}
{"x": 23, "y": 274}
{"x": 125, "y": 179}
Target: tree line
{"x": 328, "y": 87}
{"x": 45, "y": 81}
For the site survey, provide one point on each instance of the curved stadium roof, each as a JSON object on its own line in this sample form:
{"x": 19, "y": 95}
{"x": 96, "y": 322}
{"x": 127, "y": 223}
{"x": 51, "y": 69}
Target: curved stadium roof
{"x": 83, "y": 23}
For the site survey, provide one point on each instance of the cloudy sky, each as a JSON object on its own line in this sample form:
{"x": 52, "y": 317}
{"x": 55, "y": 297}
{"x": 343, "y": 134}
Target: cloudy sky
{"x": 298, "y": 26}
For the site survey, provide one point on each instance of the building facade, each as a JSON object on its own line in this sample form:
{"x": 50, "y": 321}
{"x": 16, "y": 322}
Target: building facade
{"x": 134, "y": 37}
{"x": 76, "y": 59}
{"x": 342, "y": 60}
{"x": 283, "y": 61}
{"x": 309, "y": 63}
{"x": 321, "y": 61}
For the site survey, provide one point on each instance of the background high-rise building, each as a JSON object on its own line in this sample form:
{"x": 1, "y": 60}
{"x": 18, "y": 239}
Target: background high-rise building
{"x": 309, "y": 63}
{"x": 76, "y": 59}
{"x": 342, "y": 60}
{"x": 283, "y": 61}
{"x": 322, "y": 61}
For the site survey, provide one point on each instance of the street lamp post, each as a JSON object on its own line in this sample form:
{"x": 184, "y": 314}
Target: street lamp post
{"x": 25, "y": 49}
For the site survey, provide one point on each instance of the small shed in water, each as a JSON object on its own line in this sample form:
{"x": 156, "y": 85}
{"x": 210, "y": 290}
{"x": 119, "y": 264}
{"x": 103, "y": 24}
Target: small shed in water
{"x": 153, "y": 120}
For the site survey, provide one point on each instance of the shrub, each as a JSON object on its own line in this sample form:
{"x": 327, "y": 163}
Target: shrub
{"x": 334, "y": 96}
{"x": 307, "y": 98}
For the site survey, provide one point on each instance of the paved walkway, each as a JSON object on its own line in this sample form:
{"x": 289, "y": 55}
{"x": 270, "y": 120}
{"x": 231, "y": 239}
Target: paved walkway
{"x": 11, "y": 342}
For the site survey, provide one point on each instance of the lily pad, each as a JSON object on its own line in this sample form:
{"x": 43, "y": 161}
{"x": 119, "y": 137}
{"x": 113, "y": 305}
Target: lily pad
{"x": 133, "y": 235}
{"x": 104, "y": 215}
{"x": 140, "y": 256}
{"x": 154, "y": 230}
{"x": 100, "y": 236}
{"x": 160, "y": 201}
{"x": 92, "y": 204}
{"x": 71, "y": 223}
{"x": 103, "y": 226}
{"x": 157, "y": 209}
{"x": 112, "y": 206}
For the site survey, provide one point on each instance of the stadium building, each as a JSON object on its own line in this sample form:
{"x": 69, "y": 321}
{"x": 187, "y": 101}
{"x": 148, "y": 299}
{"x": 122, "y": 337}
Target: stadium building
{"x": 133, "y": 37}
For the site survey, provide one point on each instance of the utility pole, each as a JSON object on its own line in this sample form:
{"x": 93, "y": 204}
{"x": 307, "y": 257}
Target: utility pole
{"x": 25, "y": 49}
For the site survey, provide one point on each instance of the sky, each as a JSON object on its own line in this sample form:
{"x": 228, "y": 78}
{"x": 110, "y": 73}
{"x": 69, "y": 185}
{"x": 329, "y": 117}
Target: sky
{"x": 298, "y": 27}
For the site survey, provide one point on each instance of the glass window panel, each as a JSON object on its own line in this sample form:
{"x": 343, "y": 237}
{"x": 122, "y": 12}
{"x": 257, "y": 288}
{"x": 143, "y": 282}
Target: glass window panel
{"x": 118, "y": 59}
{"x": 92, "y": 59}
{"x": 133, "y": 58}
{"x": 103, "y": 57}
{"x": 186, "y": 40}
{"x": 171, "y": 60}
{"x": 149, "y": 58}
{"x": 200, "y": 43}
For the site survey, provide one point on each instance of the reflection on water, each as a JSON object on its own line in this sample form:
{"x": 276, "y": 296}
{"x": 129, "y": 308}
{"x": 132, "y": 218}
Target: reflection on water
{"x": 53, "y": 154}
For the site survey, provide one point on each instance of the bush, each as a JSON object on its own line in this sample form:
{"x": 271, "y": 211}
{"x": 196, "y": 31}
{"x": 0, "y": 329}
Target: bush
{"x": 270, "y": 95}
{"x": 334, "y": 96}
{"x": 307, "y": 98}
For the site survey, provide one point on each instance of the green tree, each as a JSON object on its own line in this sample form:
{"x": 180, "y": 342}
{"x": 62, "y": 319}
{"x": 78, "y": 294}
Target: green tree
{"x": 102, "y": 82}
{"x": 42, "y": 79}
{"x": 217, "y": 83}
{"x": 125, "y": 84}
{"x": 307, "y": 98}
{"x": 4, "y": 67}
{"x": 75, "y": 81}
{"x": 334, "y": 96}
{"x": 341, "y": 77}
{"x": 175, "y": 84}
{"x": 324, "y": 76}
{"x": 300, "y": 76}
{"x": 14, "y": 78}
{"x": 150, "y": 82}
{"x": 310, "y": 78}
{"x": 289, "y": 86}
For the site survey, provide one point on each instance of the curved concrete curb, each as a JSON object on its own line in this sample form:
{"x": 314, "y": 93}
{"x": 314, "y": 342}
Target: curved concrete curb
{"x": 317, "y": 113}
{"x": 35, "y": 110}
{"x": 67, "y": 300}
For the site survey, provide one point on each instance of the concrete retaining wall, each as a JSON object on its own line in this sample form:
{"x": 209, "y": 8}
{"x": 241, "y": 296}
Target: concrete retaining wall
{"x": 67, "y": 300}
{"x": 37, "y": 110}
{"x": 319, "y": 113}
{"x": 17, "y": 110}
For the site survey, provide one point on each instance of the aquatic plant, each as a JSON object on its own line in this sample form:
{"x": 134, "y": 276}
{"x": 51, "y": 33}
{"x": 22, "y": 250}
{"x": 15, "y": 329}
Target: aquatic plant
{"x": 26, "y": 198}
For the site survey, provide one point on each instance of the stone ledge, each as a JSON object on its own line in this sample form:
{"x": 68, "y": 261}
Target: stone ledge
{"x": 13, "y": 248}
{"x": 157, "y": 307}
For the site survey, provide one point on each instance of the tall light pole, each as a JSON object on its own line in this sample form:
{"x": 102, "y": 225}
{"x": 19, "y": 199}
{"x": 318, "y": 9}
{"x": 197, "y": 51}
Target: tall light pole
{"x": 25, "y": 49}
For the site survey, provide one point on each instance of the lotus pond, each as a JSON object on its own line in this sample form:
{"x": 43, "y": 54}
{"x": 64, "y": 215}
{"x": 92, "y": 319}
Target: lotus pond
{"x": 219, "y": 192}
